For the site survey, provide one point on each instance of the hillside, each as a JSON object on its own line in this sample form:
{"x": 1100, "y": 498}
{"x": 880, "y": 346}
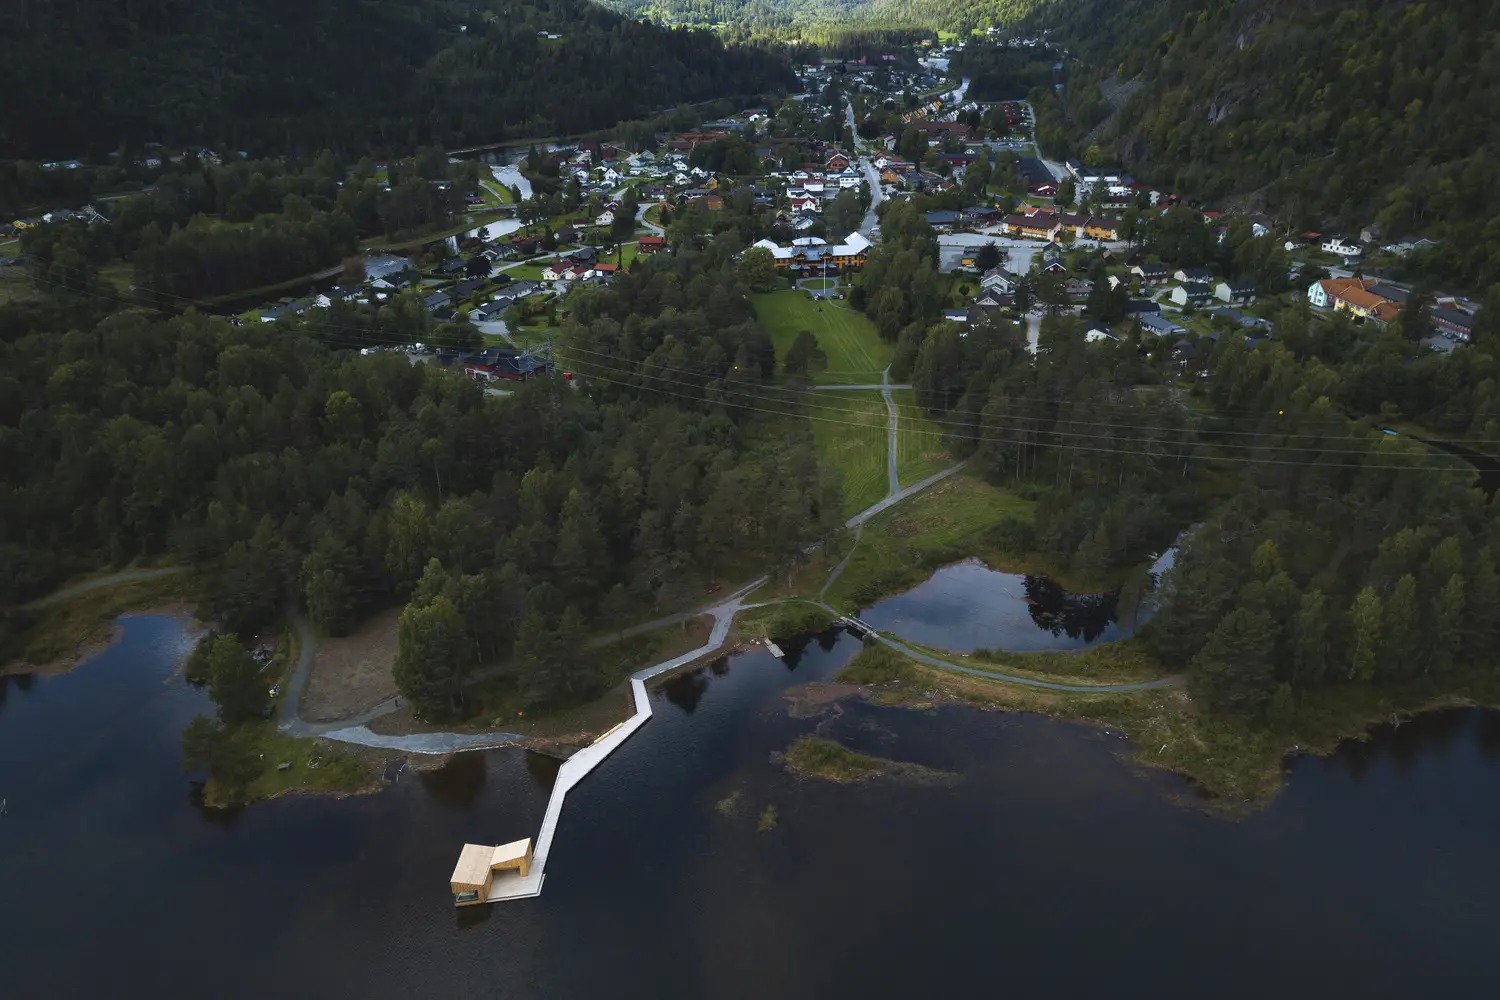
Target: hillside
{"x": 797, "y": 17}
{"x": 276, "y": 75}
{"x": 1327, "y": 114}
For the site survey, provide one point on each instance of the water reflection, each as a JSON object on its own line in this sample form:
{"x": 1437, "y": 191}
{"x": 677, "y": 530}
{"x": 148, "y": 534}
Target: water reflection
{"x": 1406, "y": 741}
{"x": 468, "y": 917}
{"x": 967, "y": 605}
{"x": 685, "y": 690}
{"x": 458, "y": 783}
{"x": 21, "y": 682}
{"x": 1397, "y": 871}
{"x": 1078, "y": 616}
{"x": 543, "y": 769}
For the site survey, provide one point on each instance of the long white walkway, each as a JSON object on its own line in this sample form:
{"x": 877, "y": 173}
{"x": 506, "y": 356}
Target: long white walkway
{"x": 574, "y": 769}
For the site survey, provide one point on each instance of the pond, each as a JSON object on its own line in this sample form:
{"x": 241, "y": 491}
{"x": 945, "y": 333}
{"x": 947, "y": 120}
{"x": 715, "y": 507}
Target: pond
{"x": 1047, "y": 866}
{"x": 967, "y": 606}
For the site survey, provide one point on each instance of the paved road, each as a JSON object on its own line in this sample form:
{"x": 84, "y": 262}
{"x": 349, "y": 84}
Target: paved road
{"x": 1028, "y": 681}
{"x": 933, "y": 661}
{"x": 640, "y": 217}
{"x": 124, "y": 576}
{"x": 900, "y": 495}
{"x": 674, "y": 619}
{"x": 893, "y": 481}
{"x": 872, "y": 177}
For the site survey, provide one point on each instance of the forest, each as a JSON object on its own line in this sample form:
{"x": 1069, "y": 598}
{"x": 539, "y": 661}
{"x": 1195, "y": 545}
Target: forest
{"x": 205, "y": 230}
{"x": 289, "y": 471}
{"x": 1371, "y": 113}
{"x": 354, "y": 76}
{"x": 1321, "y": 551}
{"x": 825, "y": 21}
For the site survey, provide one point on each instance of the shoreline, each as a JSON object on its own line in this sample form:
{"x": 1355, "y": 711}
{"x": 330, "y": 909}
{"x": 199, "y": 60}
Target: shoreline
{"x": 91, "y": 646}
{"x": 1241, "y": 769}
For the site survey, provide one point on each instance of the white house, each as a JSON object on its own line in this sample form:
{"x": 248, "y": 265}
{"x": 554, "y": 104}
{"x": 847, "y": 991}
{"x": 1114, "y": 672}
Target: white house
{"x": 1317, "y": 295}
{"x": 996, "y": 280}
{"x": 1342, "y": 247}
{"x": 1235, "y": 292}
{"x": 1192, "y": 293}
{"x": 612, "y": 176}
{"x": 606, "y": 218}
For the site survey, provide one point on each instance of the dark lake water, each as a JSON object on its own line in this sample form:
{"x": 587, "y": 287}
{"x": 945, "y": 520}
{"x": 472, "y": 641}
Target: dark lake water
{"x": 967, "y": 606}
{"x": 1049, "y": 869}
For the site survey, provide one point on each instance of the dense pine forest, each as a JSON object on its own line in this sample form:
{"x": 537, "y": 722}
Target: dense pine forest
{"x": 823, "y": 20}
{"x": 1325, "y": 113}
{"x": 1325, "y": 551}
{"x": 290, "y": 471}
{"x": 355, "y": 76}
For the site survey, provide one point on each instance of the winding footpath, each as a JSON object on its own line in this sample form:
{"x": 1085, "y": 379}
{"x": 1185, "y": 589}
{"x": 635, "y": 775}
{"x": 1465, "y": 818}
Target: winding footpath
{"x": 124, "y": 576}
{"x": 893, "y": 485}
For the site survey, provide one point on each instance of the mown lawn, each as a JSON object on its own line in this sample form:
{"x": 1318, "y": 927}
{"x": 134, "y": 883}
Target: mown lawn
{"x": 526, "y": 272}
{"x": 920, "y": 451}
{"x": 851, "y": 430}
{"x": 856, "y": 354}
{"x": 943, "y": 524}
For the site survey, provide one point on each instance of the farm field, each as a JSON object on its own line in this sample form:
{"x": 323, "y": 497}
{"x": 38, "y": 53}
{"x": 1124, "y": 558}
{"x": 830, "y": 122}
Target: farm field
{"x": 920, "y": 451}
{"x": 856, "y": 354}
{"x": 852, "y": 433}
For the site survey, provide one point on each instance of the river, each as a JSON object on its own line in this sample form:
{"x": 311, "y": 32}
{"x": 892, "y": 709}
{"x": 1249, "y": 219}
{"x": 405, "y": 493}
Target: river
{"x": 1049, "y": 868}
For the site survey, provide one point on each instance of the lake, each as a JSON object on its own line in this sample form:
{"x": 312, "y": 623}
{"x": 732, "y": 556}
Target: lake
{"x": 967, "y": 606}
{"x": 1048, "y": 868}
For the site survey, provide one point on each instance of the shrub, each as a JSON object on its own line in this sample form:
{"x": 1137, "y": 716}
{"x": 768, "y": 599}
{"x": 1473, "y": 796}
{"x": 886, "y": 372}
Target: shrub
{"x": 1013, "y": 535}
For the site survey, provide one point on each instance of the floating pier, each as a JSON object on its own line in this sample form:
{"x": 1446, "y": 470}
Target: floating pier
{"x": 775, "y": 649}
{"x": 474, "y": 881}
{"x": 517, "y": 882}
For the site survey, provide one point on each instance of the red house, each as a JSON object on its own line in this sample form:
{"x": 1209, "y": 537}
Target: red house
{"x": 651, "y": 244}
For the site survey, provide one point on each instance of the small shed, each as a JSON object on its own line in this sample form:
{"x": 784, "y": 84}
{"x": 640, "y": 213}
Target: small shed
{"x": 477, "y": 864}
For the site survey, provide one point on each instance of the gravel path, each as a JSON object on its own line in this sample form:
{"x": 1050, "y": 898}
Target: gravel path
{"x": 124, "y": 576}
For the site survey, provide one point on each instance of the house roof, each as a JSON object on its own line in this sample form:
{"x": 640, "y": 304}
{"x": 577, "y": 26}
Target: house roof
{"x": 473, "y": 868}
{"x": 1159, "y": 324}
{"x": 1362, "y": 298}
{"x": 1454, "y": 317}
{"x": 1195, "y": 288}
{"x": 1236, "y": 316}
{"x": 1392, "y": 292}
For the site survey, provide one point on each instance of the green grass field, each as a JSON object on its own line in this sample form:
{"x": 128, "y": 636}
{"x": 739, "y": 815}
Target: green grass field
{"x": 856, "y": 354}
{"x": 526, "y": 272}
{"x": 851, "y": 431}
{"x": 920, "y": 451}
{"x": 902, "y": 546}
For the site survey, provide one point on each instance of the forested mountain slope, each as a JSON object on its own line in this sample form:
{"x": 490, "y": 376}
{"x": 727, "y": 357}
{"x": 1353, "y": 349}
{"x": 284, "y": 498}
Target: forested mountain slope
{"x": 272, "y": 75}
{"x": 1328, "y": 113}
{"x": 788, "y": 16}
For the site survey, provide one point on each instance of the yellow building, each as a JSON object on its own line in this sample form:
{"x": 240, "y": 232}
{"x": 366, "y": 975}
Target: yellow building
{"x": 474, "y": 874}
